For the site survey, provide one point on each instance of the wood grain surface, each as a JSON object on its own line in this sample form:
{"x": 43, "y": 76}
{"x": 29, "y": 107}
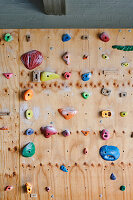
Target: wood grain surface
{"x": 88, "y": 176}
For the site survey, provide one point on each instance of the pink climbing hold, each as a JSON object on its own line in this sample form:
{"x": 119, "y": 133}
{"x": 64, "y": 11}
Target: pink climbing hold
{"x": 48, "y": 131}
{"x": 67, "y": 75}
{"x": 104, "y": 37}
{"x": 105, "y": 134}
{"x": 85, "y": 150}
{"x": 32, "y": 59}
{"x": 47, "y": 189}
{"x": 66, "y": 133}
{"x": 8, "y": 75}
{"x": 66, "y": 58}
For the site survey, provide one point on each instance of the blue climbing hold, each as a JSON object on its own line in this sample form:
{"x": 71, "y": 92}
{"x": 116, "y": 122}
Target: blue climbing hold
{"x": 66, "y": 37}
{"x": 112, "y": 177}
{"x": 63, "y": 168}
{"x": 109, "y": 153}
{"x": 86, "y": 76}
{"x": 29, "y": 131}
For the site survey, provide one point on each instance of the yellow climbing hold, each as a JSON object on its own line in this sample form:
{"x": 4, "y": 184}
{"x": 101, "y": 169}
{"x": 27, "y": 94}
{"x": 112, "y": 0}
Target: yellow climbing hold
{"x": 124, "y": 64}
{"x": 104, "y": 56}
{"x": 46, "y": 76}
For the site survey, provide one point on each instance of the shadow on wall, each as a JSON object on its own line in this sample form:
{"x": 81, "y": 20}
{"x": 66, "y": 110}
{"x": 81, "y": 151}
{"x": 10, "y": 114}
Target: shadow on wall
{"x": 38, "y": 4}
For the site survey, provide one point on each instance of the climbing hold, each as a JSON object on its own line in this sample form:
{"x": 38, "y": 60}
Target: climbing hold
{"x": 29, "y": 114}
{"x": 32, "y": 59}
{"x": 123, "y": 94}
{"x": 48, "y": 131}
{"x": 8, "y": 37}
{"x": 8, "y": 75}
{"x": 67, "y": 113}
{"x": 85, "y": 95}
{"x": 28, "y": 150}
{"x": 28, "y": 188}
{"x": 28, "y": 95}
{"x": 84, "y": 37}
{"x": 123, "y": 114}
{"x": 36, "y": 76}
{"x": 63, "y": 168}
{"x": 105, "y": 92}
{"x": 66, "y": 37}
{"x": 85, "y": 132}
{"x": 3, "y": 128}
{"x": 4, "y": 113}
{"x": 104, "y": 37}
{"x": 29, "y": 131}
{"x": 66, "y": 133}
{"x": 106, "y": 113}
{"x": 85, "y": 151}
{"x": 8, "y": 188}
{"x": 105, "y": 134}
{"x": 28, "y": 38}
{"x": 66, "y": 58}
{"x": 122, "y": 188}
{"x": 67, "y": 75}
{"x": 86, "y": 76}
{"x": 109, "y": 153}
{"x": 124, "y": 64}
{"x": 112, "y": 177}
{"x": 47, "y": 189}
{"x": 124, "y": 48}
{"x": 46, "y": 76}
{"x": 104, "y": 56}
{"x": 85, "y": 57}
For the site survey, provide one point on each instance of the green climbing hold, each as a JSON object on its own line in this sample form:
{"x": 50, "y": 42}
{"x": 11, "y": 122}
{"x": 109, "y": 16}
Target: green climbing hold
{"x": 122, "y": 188}
{"x": 8, "y": 37}
{"x": 28, "y": 150}
{"x": 124, "y": 48}
{"x": 85, "y": 95}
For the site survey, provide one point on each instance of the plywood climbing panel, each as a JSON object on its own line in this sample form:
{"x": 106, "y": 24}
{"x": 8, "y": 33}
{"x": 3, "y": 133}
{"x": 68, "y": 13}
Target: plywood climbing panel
{"x": 88, "y": 176}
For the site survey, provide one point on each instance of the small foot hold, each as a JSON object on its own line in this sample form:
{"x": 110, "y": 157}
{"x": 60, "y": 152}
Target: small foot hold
{"x": 3, "y": 128}
{"x": 8, "y": 37}
{"x": 67, "y": 75}
{"x": 8, "y": 75}
{"x": 63, "y": 168}
{"x": 122, "y": 188}
{"x": 29, "y": 114}
{"x": 28, "y": 188}
{"x": 8, "y": 188}
{"x": 47, "y": 189}
{"x": 66, "y": 37}
{"x": 123, "y": 114}
{"x": 112, "y": 177}
{"x": 85, "y": 57}
{"x": 85, "y": 95}
{"x": 85, "y": 151}
{"x": 85, "y": 132}
{"x": 66, "y": 133}
{"x": 29, "y": 131}
{"x": 28, "y": 95}
{"x": 104, "y": 37}
{"x": 86, "y": 76}
{"x": 66, "y": 58}
{"x": 104, "y": 56}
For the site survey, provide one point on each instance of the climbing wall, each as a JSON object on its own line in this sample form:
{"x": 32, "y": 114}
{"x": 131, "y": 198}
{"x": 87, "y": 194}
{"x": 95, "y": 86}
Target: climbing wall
{"x": 88, "y": 176}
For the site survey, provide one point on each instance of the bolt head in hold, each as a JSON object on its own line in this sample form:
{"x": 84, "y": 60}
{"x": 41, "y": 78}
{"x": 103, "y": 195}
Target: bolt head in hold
{"x": 9, "y": 188}
{"x": 105, "y": 134}
{"x": 67, "y": 75}
{"x": 122, "y": 188}
{"x": 47, "y": 189}
{"x": 66, "y": 133}
{"x": 104, "y": 37}
{"x": 85, "y": 151}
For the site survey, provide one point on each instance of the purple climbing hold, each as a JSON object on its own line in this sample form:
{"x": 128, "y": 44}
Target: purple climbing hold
{"x": 66, "y": 133}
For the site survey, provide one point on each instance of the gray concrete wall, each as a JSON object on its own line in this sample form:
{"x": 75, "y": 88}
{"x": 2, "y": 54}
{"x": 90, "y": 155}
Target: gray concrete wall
{"x": 79, "y": 14}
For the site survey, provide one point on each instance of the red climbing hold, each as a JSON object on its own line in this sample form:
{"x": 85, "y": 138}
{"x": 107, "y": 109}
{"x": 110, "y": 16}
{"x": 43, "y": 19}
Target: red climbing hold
{"x": 32, "y": 59}
{"x": 8, "y": 188}
{"x": 67, "y": 75}
{"x": 48, "y": 131}
{"x": 8, "y": 75}
{"x": 104, "y": 37}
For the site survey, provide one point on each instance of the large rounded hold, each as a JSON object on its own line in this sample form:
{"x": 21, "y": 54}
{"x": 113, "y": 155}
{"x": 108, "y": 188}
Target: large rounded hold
{"x": 28, "y": 150}
{"x": 109, "y": 153}
{"x": 32, "y": 59}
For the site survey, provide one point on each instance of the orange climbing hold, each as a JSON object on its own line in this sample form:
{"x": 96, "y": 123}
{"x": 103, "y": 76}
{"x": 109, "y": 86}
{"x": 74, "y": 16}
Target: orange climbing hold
{"x": 85, "y": 132}
{"x": 67, "y": 113}
{"x": 28, "y": 95}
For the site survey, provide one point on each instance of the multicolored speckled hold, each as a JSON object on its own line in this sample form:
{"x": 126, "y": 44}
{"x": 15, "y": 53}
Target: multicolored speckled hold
{"x": 28, "y": 150}
{"x": 46, "y": 76}
{"x": 32, "y": 59}
{"x": 104, "y": 37}
{"x": 67, "y": 113}
{"x": 123, "y": 48}
{"x": 86, "y": 76}
{"x": 29, "y": 131}
{"x": 66, "y": 133}
{"x": 66, "y": 37}
{"x": 48, "y": 131}
{"x": 112, "y": 177}
{"x": 8, "y": 37}
{"x": 63, "y": 168}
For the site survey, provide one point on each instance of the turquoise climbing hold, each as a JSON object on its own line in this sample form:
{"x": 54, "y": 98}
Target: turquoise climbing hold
{"x": 66, "y": 37}
{"x": 8, "y": 37}
{"x": 85, "y": 95}
{"x": 63, "y": 168}
{"x": 28, "y": 150}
